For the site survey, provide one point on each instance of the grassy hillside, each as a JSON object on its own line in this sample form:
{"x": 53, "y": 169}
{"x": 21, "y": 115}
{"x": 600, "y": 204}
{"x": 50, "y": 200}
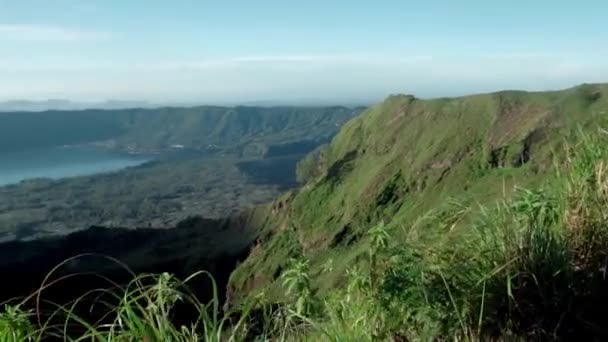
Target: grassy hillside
{"x": 407, "y": 159}
{"x": 246, "y": 130}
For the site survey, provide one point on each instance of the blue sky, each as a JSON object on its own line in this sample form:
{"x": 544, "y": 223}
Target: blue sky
{"x": 355, "y": 51}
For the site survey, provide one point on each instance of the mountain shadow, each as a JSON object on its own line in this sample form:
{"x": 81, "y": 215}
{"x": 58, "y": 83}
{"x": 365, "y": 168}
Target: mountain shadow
{"x": 110, "y": 257}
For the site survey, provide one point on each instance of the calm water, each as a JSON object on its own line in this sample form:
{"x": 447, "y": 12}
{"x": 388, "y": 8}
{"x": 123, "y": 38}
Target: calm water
{"x": 61, "y": 162}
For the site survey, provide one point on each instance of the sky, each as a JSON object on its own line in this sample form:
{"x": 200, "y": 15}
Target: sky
{"x": 315, "y": 50}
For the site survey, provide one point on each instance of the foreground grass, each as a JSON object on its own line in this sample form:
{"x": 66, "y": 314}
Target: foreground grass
{"x": 530, "y": 267}
{"x": 145, "y": 312}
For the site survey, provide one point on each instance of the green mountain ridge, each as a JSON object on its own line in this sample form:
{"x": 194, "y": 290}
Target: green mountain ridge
{"x": 404, "y": 157}
{"x": 241, "y": 130}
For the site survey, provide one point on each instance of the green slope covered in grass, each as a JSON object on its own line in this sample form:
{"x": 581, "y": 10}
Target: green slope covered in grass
{"x": 406, "y": 158}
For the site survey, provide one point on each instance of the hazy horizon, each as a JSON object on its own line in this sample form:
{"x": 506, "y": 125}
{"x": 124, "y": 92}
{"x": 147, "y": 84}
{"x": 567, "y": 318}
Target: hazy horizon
{"x": 54, "y": 103}
{"x": 338, "y": 52}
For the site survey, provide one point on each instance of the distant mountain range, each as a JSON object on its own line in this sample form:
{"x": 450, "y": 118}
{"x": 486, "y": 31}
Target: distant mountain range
{"x": 241, "y": 130}
{"x": 61, "y": 104}
{"x": 64, "y": 104}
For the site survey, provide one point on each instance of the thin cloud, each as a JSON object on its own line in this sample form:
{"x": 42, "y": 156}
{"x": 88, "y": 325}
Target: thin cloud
{"x": 282, "y": 60}
{"x": 518, "y": 56}
{"x": 337, "y": 58}
{"x": 270, "y": 61}
{"x": 457, "y": 66}
{"x": 48, "y": 34}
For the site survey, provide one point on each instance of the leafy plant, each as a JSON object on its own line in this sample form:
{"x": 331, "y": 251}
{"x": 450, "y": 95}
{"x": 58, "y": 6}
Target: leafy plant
{"x": 15, "y": 325}
{"x": 297, "y": 284}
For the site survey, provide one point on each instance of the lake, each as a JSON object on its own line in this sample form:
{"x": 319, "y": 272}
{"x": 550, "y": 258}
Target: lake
{"x": 61, "y": 162}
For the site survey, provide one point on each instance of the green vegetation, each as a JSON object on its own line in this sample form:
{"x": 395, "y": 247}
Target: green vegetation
{"x": 143, "y": 313}
{"x": 405, "y": 157}
{"x": 408, "y": 162}
{"x": 307, "y": 168}
{"x": 475, "y": 218}
{"x": 250, "y": 131}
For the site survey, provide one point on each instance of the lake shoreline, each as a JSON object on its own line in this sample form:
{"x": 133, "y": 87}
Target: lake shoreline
{"x": 54, "y": 163}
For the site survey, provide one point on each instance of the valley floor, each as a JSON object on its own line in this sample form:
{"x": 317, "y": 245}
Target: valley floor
{"x": 158, "y": 194}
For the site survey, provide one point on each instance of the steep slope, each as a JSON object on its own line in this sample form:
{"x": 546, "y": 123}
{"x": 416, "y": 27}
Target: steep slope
{"x": 407, "y": 156}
